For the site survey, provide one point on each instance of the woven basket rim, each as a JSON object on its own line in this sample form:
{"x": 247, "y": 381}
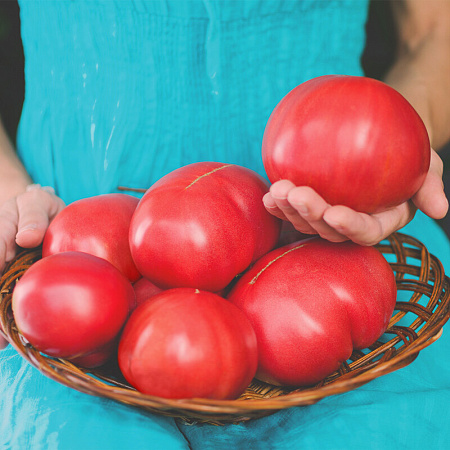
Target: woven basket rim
{"x": 431, "y": 282}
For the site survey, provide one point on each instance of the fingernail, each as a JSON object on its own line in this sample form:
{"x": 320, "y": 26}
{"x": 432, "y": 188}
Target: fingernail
{"x": 336, "y": 225}
{"x": 332, "y": 223}
{"x": 31, "y": 227}
{"x": 303, "y": 209}
{"x": 276, "y": 197}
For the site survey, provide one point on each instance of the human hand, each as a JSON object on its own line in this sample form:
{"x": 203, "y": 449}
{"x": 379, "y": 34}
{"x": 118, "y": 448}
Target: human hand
{"x": 310, "y": 214}
{"x": 23, "y": 222}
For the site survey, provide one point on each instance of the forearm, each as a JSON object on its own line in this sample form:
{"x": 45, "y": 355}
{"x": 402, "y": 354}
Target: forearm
{"x": 422, "y": 70}
{"x": 13, "y": 176}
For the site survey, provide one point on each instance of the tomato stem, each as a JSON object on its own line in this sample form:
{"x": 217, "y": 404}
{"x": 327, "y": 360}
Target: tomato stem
{"x": 125, "y": 188}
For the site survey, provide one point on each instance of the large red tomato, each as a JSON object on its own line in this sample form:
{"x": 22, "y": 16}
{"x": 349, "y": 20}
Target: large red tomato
{"x": 201, "y": 225}
{"x": 96, "y": 225}
{"x": 185, "y": 343}
{"x": 311, "y": 303}
{"x": 354, "y": 140}
{"x": 72, "y": 304}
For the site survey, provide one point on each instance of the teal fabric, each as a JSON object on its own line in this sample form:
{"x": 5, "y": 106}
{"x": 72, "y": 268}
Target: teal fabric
{"x": 122, "y": 92}
{"x": 118, "y": 93}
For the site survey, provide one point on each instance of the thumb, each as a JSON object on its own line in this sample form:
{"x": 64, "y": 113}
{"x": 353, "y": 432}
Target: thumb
{"x": 431, "y": 198}
{"x": 36, "y": 208}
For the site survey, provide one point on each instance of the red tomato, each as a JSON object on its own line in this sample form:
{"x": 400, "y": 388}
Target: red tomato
{"x": 71, "y": 304}
{"x": 144, "y": 289}
{"x": 355, "y": 140}
{"x": 186, "y": 343}
{"x": 98, "y": 357}
{"x": 201, "y": 225}
{"x": 96, "y": 225}
{"x": 311, "y": 303}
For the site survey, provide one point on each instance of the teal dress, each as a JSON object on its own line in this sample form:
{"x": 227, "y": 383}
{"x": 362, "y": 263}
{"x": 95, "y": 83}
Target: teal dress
{"x": 119, "y": 93}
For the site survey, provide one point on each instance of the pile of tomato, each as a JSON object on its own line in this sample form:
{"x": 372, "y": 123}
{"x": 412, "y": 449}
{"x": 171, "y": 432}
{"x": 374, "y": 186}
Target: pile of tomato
{"x": 190, "y": 288}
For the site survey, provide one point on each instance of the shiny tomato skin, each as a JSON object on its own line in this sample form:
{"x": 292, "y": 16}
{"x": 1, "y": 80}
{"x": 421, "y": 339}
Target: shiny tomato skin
{"x": 311, "y": 303}
{"x": 96, "y": 225}
{"x": 72, "y": 304}
{"x": 187, "y": 343}
{"x": 201, "y": 225}
{"x": 354, "y": 140}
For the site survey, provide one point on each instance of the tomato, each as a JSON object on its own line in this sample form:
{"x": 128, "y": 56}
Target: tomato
{"x": 144, "y": 289}
{"x": 201, "y": 225}
{"x": 71, "y": 304}
{"x": 311, "y": 303}
{"x": 355, "y": 140}
{"x": 186, "y": 343}
{"x": 96, "y": 225}
{"x": 97, "y": 358}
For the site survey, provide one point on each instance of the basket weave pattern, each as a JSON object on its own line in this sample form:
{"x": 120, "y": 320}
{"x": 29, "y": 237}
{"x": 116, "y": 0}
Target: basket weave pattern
{"x": 416, "y": 323}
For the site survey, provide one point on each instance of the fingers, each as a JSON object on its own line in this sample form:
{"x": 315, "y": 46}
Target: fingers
{"x": 366, "y": 229}
{"x": 310, "y": 214}
{"x": 303, "y": 207}
{"x": 311, "y": 207}
{"x": 36, "y": 208}
{"x": 24, "y": 220}
{"x": 431, "y": 198}
{"x": 8, "y": 229}
{"x": 276, "y": 201}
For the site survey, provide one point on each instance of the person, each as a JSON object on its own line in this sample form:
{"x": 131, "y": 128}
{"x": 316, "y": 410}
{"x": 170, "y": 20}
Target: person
{"x": 120, "y": 93}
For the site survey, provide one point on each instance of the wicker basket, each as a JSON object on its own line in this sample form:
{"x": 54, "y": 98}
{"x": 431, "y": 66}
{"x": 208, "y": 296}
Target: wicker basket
{"x": 417, "y": 322}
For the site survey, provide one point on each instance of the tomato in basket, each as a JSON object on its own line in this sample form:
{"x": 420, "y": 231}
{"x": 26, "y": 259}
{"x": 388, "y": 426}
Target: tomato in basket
{"x": 97, "y": 358}
{"x": 355, "y": 140}
{"x": 144, "y": 289}
{"x": 201, "y": 225}
{"x": 72, "y": 305}
{"x": 187, "y": 343}
{"x": 311, "y": 303}
{"x": 96, "y": 225}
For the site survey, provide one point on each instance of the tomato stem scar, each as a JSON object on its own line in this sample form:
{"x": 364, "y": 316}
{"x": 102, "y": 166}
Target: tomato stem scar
{"x": 208, "y": 173}
{"x": 125, "y": 188}
{"x": 253, "y": 281}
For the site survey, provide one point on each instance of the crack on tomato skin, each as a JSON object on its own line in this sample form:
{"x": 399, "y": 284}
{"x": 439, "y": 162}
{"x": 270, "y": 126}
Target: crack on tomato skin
{"x": 208, "y": 173}
{"x": 253, "y": 281}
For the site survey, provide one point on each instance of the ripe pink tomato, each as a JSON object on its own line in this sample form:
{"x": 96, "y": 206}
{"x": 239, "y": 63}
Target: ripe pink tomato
{"x": 311, "y": 303}
{"x": 186, "y": 343}
{"x": 144, "y": 289}
{"x": 96, "y": 225}
{"x": 201, "y": 225}
{"x": 72, "y": 304}
{"x": 355, "y": 140}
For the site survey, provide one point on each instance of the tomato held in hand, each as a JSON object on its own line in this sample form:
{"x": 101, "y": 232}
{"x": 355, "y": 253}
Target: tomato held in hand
{"x": 186, "y": 343}
{"x": 311, "y": 303}
{"x": 72, "y": 304}
{"x": 96, "y": 225}
{"x": 201, "y": 225}
{"x": 356, "y": 141}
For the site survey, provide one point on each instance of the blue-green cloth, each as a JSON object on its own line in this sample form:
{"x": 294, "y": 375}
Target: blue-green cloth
{"x": 118, "y": 93}
{"x": 122, "y": 92}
